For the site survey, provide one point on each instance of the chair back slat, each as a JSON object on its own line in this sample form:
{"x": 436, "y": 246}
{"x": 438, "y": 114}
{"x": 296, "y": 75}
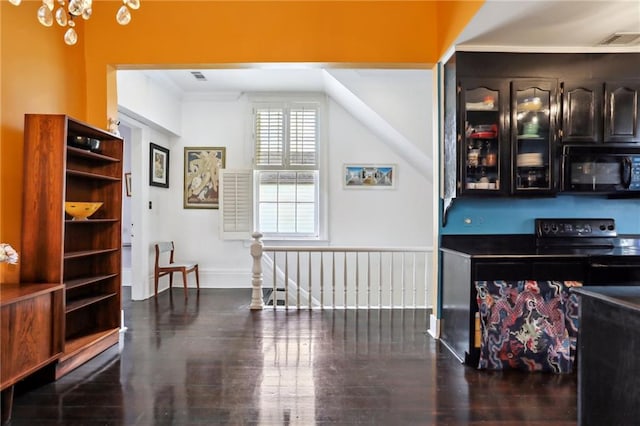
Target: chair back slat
{"x": 165, "y": 246}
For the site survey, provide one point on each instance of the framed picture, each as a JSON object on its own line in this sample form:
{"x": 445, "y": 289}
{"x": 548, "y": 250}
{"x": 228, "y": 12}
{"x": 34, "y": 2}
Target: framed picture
{"x": 374, "y": 176}
{"x": 127, "y": 183}
{"x": 201, "y": 176}
{"x": 158, "y": 166}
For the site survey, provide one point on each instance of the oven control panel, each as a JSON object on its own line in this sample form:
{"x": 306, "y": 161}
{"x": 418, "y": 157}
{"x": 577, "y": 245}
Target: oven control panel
{"x": 575, "y": 228}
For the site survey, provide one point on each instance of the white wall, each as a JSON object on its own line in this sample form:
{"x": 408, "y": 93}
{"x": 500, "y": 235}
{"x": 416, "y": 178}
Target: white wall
{"x": 125, "y": 132}
{"x": 196, "y": 231}
{"x": 396, "y": 217}
{"x": 398, "y": 96}
{"x": 149, "y": 101}
{"x": 379, "y": 217}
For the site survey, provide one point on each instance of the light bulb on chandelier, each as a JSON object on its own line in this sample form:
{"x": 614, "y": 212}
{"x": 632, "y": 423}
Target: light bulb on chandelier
{"x": 74, "y": 8}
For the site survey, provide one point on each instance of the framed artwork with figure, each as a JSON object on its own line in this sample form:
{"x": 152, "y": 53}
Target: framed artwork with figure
{"x": 201, "y": 176}
{"x": 158, "y": 166}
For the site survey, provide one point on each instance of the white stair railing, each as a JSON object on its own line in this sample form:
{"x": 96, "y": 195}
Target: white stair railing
{"x": 341, "y": 277}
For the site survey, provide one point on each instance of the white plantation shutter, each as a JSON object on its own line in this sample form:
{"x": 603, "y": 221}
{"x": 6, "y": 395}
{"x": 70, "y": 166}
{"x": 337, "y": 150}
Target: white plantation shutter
{"x": 269, "y": 135}
{"x": 286, "y": 139}
{"x": 303, "y": 136}
{"x": 236, "y": 204}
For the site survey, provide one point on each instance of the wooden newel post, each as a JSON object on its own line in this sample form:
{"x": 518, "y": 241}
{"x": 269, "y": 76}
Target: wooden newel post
{"x": 256, "y": 272}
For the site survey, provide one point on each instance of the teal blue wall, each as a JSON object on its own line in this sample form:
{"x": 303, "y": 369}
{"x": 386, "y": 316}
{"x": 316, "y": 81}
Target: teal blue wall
{"x": 516, "y": 216}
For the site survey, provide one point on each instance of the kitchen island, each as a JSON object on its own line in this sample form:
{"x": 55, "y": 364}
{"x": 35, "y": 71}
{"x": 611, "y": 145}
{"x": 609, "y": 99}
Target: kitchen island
{"x": 608, "y": 355}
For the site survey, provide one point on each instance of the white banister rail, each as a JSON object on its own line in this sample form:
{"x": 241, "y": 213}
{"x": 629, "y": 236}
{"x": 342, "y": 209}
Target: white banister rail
{"x": 341, "y": 277}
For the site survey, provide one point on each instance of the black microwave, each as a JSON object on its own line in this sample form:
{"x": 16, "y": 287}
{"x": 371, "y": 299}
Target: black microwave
{"x": 601, "y": 169}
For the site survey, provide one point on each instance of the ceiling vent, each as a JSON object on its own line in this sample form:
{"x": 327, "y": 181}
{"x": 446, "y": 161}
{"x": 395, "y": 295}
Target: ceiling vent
{"x": 198, "y": 76}
{"x": 621, "y": 39}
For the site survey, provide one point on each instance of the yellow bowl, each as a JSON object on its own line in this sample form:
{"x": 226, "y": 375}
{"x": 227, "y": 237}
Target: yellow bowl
{"x": 81, "y": 210}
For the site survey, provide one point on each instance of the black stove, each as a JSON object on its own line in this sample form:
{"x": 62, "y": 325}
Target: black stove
{"x": 612, "y": 259}
{"x": 589, "y": 236}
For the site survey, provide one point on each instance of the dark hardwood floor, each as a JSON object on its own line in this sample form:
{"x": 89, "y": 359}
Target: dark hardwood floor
{"x": 212, "y": 361}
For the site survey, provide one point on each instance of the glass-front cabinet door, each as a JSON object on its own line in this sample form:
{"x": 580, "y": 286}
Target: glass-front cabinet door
{"x": 481, "y": 136}
{"x": 533, "y": 134}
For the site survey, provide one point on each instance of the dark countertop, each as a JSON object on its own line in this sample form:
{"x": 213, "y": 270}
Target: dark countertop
{"x": 619, "y": 296}
{"x": 518, "y": 246}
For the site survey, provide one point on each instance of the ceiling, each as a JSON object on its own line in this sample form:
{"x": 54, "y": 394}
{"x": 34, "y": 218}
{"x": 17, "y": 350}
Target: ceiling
{"x": 500, "y": 25}
{"x": 561, "y": 25}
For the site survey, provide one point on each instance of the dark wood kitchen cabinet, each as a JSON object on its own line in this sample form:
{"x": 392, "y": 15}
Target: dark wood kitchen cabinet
{"x": 538, "y": 102}
{"x": 84, "y": 255}
{"x": 459, "y": 328}
{"x": 507, "y": 136}
{"x": 622, "y": 106}
{"x": 597, "y": 111}
{"x": 582, "y": 103}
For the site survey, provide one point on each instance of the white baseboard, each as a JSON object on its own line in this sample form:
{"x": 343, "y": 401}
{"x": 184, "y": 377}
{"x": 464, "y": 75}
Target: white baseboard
{"x": 210, "y": 278}
{"x": 434, "y": 327}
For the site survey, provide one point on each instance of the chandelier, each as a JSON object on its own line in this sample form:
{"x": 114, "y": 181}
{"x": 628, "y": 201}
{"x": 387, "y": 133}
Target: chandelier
{"x": 66, "y": 11}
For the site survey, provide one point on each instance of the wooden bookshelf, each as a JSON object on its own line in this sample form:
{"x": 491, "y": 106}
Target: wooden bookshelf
{"x": 84, "y": 256}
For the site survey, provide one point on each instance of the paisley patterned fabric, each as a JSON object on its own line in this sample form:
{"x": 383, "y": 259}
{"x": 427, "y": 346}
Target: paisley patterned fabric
{"x": 528, "y": 325}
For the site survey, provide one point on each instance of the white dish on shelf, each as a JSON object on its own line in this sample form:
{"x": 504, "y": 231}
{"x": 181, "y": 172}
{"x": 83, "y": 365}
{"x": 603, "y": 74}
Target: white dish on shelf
{"x": 479, "y": 106}
{"x": 532, "y": 159}
{"x": 530, "y": 104}
{"x": 528, "y": 136}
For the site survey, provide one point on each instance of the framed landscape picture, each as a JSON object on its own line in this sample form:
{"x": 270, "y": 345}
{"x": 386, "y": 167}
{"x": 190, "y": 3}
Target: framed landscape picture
{"x": 369, "y": 176}
{"x": 201, "y": 176}
{"x": 158, "y": 166}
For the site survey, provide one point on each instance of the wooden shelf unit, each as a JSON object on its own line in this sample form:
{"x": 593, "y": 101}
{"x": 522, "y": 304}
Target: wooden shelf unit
{"x": 31, "y": 319}
{"x": 83, "y": 255}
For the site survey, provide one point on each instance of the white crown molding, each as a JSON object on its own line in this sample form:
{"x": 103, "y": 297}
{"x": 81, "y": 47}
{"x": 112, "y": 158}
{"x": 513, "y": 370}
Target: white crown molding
{"x": 547, "y": 49}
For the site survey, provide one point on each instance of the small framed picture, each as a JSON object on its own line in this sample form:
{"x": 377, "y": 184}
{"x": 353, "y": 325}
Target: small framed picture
{"x": 369, "y": 176}
{"x": 127, "y": 183}
{"x": 201, "y": 176}
{"x": 158, "y": 166}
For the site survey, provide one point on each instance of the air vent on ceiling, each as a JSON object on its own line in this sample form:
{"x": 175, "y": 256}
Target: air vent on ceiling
{"x": 621, "y": 39}
{"x": 198, "y": 76}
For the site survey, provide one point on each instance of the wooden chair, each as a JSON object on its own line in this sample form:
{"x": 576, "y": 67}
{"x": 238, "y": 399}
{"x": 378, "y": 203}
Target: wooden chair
{"x": 169, "y": 269}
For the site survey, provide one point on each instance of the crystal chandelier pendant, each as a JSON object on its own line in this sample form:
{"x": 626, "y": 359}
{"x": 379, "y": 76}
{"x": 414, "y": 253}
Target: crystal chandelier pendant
{"x": 61, "y": 17}
{"x": 76, "y": 7}
{"x": 123, "y": 16}
{"x": 68, "y": 9}
{"x": 71, "y": 37}
{"x": 45, "y": 17}
{"x": 86, "y": 9}
{"x": 133, "y": 4}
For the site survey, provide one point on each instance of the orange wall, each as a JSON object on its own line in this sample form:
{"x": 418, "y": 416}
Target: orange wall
{"x": 453, "y": 16}
{"x": 41, "y": 74}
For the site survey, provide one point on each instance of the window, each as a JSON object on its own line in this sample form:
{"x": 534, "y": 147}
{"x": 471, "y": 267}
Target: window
{"x": 286, "y": 169}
